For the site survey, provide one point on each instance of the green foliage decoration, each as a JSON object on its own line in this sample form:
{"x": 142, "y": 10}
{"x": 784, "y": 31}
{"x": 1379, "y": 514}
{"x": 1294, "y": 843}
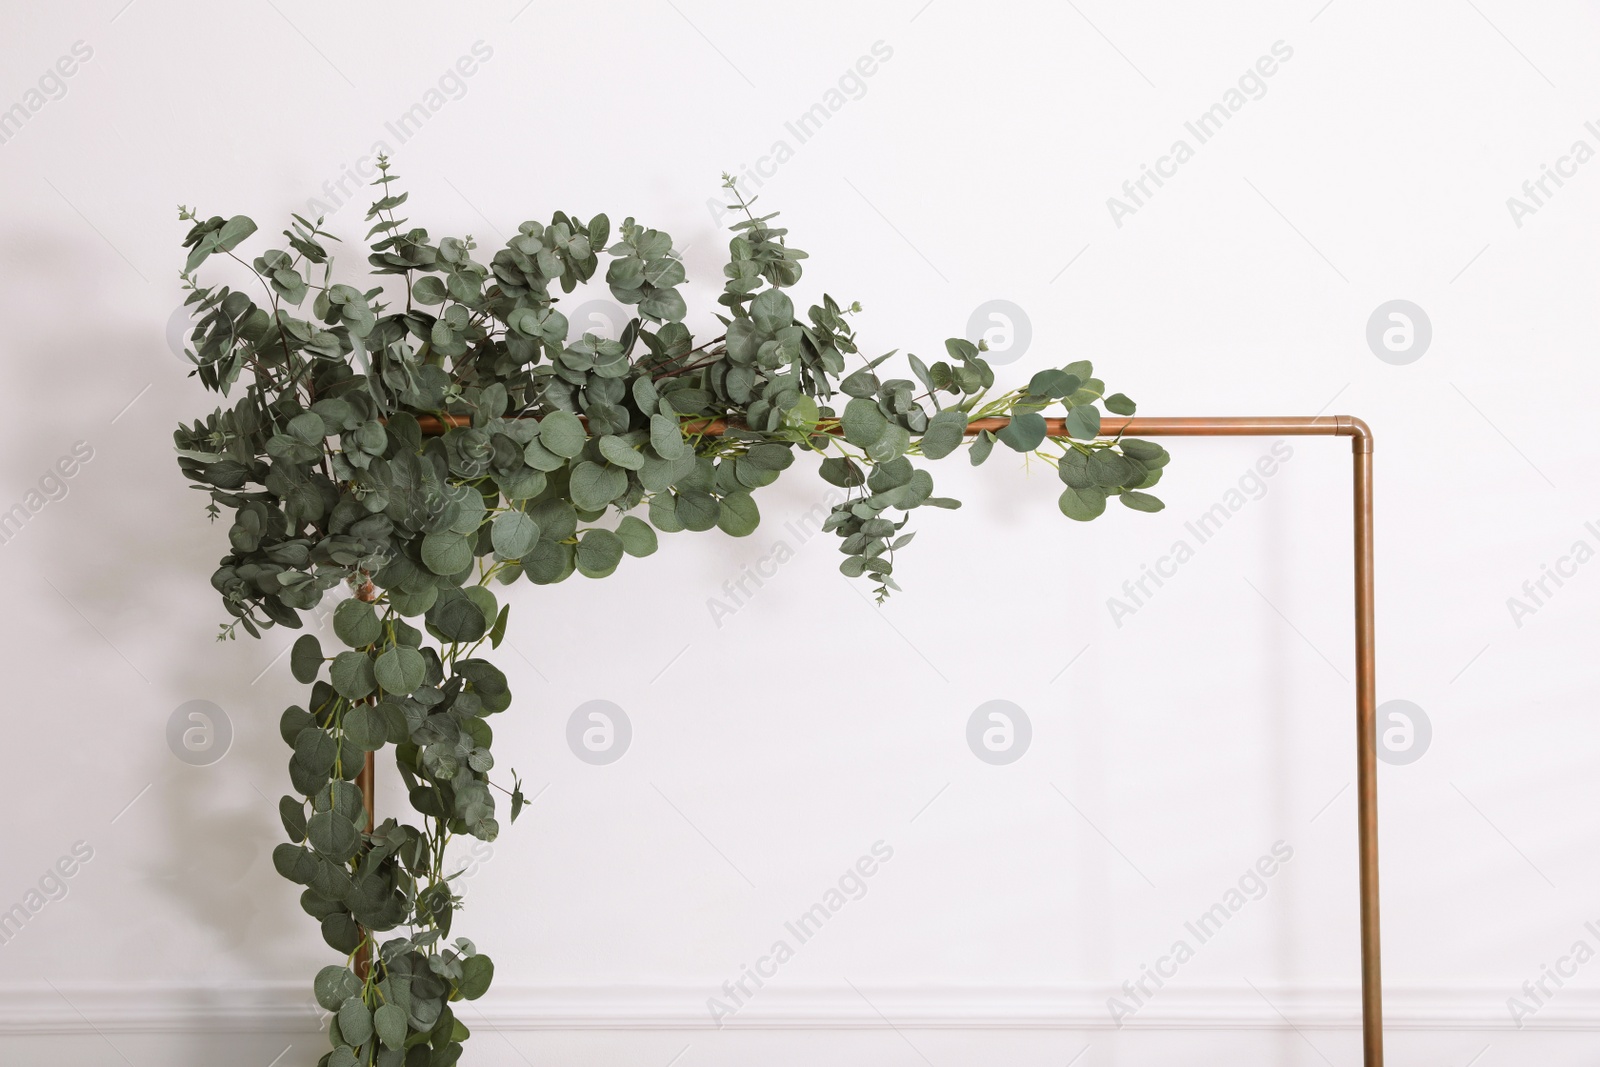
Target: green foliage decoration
{"x": 557, "y": 456}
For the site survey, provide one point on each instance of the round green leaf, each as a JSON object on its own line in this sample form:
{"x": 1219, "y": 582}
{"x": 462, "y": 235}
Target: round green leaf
{"x": 1147, "y": 452}
{"x": 548, "y": 562}
{"x": 305, "y": 659}
{"x": 772, "y": 310}
{"x": 1137, "y": 473}
{"x": 400, "y": 670}
{"x": 485, "y": 601}
{"x": 845, "y": 473}
{"x": 291, "y": 722}
{"x": 457, "y": 617}
{"x": 913, "y": 493}
{"x": 296, "y": 864}
{"x": 342, "y": 797}
{"x": 982, "y": 445}
{"x": 355, "y": 1021}
{"x": 446, "y": 552}
{"x": 352, "y": 675}
{"x": 1024, "y": 432}
{"x": 341, "y": 932}
{"x": 428, "y": 290}
{"x": 944, "y": 434}
{"x": 667, "y": 305}
{"x": 293, "y": 814}
{"x": 1142, "y": 501}
{"x": 1074, "y": 470}
{"x": 233, "y": 232}
{"x": 593, "y": 486}
{"x": 470, "y": 510}
{"x": 333, "y": 835}
{"x": 618, "y": 451}
{"x": 599, "y": 552}
{"x": 1083, "y": 422}
{"x": 561, "y": 432}
{"x": 665, "y": 437}
{"x": 413, "y": 604}
{"x": 637, "y": 537}
{"x": 541, "y": 458}
{"x": 1053, "y": 384}
{"x": 1108, "y": 469}
{"x": 769, "y": 456}
{"x": 739, "y": 516}
{"x": 557, "y": 519}
{"x": 396, "y": 726}
{"x": 390, "y": 1023}
{"x": 476, "y": 974}
{"x": 308, "y": 427}
{"x": 863, "y": 422}
{"x": 521, "y": 483}
{"x": 644, "y": 393}
{"x": 314, "y": 748}
{"x": 894, "y": 442}
{"x": 334, "y": 986}
{"x": 356, "y": 623}
{"x": 1082, "y": 504}
{"x": 696, "y": 510}
{"x": 513, "y": 533}
{"x": 664, "y": 513}
{"x": 366, "y": 727}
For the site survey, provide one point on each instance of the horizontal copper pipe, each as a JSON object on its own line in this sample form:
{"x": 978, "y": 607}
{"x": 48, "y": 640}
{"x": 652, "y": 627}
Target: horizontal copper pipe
{"x": 1248, "y": 426}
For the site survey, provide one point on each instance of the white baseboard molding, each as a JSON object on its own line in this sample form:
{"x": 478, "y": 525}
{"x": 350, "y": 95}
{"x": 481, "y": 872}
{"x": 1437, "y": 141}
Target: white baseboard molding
{"x": 289, "y": 1007}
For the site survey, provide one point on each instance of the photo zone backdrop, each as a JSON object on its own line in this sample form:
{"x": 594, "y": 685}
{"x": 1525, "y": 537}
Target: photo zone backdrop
{"x": 1082, "y": 793}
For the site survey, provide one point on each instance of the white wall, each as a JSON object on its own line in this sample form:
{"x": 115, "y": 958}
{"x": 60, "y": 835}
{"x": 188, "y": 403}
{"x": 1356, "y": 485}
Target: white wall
{"x": 1176, "y": 748}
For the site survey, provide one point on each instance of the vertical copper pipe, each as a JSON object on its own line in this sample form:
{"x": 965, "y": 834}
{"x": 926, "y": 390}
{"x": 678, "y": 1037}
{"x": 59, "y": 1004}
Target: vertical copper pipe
{"x": 364, "y": 782}
{"x": 1367, "y": 753}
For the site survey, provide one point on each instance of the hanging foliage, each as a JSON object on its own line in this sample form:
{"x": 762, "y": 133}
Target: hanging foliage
{"x": 437, "y": 435}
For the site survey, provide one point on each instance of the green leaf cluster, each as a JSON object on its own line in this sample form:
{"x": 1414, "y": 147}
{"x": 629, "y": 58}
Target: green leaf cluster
{"x": 433, "y": 433}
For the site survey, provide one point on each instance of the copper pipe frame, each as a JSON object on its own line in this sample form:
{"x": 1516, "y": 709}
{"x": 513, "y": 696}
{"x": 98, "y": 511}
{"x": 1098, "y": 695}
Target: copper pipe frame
{"x": 1366, "y": 651}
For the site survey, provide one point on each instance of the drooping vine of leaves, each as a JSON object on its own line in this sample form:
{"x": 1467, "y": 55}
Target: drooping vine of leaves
{"x": 437, "y": 434}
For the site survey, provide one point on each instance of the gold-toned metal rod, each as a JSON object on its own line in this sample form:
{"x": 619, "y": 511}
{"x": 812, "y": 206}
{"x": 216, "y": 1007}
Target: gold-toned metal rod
{"x": 1367, "y": 760}
{"x": 1244, "y": 426}
{"x": 366, "y": 782}
{"x": 1366, "y": 649}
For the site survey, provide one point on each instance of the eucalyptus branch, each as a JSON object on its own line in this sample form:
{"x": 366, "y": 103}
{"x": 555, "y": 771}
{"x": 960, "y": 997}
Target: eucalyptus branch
{"x": 576, "y": 457}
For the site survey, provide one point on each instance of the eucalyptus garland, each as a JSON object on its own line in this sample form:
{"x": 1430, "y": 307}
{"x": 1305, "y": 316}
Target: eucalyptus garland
{"x": 437, "y": 435}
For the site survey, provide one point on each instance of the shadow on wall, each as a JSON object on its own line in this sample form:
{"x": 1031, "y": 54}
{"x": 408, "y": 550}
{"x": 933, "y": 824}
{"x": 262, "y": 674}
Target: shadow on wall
{"x": 112, "y": 553}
